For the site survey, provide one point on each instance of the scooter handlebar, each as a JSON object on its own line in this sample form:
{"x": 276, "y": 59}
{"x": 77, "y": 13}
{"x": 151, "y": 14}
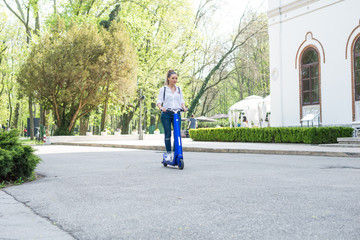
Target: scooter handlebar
{"x": 175, "y": 110}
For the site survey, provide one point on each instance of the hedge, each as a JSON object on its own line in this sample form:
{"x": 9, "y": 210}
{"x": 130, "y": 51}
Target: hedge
{"x": 312, "y": 135}
{"x": 16, "y": 160}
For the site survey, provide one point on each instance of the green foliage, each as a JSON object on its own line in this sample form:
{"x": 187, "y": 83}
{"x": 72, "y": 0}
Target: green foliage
{"x": 249, "y": 35}
{"x": 74, "y": 70}
{"x": 63, "y": 132}
{"x": 164, "y": 35}
{"x": 314, "y": 135}
{"x": 220, "y": 122}
{"x": 6, "y": 163}
{"x": 252, "y": 64}
{"x": 17, "y": 161}
{"x": 114, "y": 13}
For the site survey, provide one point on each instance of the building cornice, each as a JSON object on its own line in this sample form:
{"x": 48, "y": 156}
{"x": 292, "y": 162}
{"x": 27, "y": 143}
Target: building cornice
{"x": 297, "y": 9}
{"x": 289, "y": 7}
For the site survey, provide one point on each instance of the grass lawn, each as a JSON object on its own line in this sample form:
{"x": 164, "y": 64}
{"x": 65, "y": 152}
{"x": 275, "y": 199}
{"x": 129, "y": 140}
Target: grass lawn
{"x": 30, "y": 142}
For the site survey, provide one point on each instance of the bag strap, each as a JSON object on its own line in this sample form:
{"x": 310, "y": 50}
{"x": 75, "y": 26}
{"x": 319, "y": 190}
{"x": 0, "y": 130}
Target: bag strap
{"x": 164, "y": 95}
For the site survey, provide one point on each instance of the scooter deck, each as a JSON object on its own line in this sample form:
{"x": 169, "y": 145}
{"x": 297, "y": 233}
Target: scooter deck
{"x": 177, "y": 161}
{"x": 174, "y": 162}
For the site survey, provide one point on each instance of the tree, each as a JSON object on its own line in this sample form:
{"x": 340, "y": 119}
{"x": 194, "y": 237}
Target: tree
{"x": 163, "y": 33}
{"x": 82, "y": 11}
{"x": 106, "y": 24}
{"x": 248, "y": 70}
{"x": 247, "y": 29}
{"x": 25, "y": 20}
{"x": 72, "y": 70}
{"x": 3, "y": 73}
{"x": 251, "y": 73}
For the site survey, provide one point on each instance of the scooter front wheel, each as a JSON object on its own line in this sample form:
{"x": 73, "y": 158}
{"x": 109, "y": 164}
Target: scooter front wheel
{"x": 181, "y": 164}
{"x": 165, "y": 164}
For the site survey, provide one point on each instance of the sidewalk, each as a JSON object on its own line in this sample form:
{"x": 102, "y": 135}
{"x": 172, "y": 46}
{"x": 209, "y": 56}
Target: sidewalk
{"x": 156, "y": 142}
{"x": 18, "y": 221}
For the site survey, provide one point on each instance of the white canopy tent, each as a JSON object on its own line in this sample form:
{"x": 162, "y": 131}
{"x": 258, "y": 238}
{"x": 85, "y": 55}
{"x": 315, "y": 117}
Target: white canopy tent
{"x": 205, "y": 119}
{"x": 253, "y": 107}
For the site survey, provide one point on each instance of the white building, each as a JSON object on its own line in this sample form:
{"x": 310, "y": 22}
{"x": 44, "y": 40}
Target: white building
{"x": 314, "y": 61}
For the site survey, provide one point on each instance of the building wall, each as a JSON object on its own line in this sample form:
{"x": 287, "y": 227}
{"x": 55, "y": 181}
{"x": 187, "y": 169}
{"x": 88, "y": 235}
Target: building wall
{"x": 327, "y": 25}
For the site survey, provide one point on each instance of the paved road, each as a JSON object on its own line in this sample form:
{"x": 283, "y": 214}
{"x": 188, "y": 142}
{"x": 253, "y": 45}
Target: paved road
{"x": 107, "y": 193}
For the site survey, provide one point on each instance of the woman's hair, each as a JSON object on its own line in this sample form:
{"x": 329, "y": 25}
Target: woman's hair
{"x": 244, "y": 118}
{"x": 169, "y": 73}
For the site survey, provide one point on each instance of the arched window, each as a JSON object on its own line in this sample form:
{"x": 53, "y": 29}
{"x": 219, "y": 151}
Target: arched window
{"x": 310, "y": 77}
{"x": 357, "y": 68}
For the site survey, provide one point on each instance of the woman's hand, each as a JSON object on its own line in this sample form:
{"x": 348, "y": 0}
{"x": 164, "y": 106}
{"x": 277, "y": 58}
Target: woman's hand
{"x": 185, "y": 109}
{"x": 163, "y": 109}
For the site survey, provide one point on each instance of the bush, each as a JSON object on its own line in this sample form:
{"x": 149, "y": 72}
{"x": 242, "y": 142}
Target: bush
{"x": 6, "y": 163}
{"x": 313, "y": 135}
{"x": 221, "y": 122}
{"x": 16, "y": 160}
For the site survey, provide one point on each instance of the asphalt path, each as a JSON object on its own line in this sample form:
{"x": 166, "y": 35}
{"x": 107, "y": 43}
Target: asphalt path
{"x": 111, "y": 193}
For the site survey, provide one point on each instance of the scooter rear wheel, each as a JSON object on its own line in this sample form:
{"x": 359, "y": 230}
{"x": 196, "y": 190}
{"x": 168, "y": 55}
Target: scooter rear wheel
{"x": 181, "y": 164}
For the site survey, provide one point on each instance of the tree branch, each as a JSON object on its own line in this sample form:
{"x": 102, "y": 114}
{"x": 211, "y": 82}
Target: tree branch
{"x": 10, "y": 8}
{"x": 108, "y": 6}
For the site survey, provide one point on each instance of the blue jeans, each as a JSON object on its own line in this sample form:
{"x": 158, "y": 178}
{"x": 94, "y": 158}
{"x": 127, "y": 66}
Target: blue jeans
{"x": 167, "y": 118}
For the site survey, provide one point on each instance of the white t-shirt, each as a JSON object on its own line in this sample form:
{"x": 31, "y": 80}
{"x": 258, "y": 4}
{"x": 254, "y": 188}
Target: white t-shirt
{"x": 172, "y": 100}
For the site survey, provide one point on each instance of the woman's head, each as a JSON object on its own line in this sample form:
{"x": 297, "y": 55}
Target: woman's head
{"x": 171, "y": 77}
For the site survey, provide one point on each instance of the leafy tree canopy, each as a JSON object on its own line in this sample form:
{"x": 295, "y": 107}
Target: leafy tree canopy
{"x": 73, "y": 69}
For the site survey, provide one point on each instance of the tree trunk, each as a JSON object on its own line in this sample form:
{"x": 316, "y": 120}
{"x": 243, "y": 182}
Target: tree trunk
{"x": 125, "y": 122}
{"x": 54, "y": 5}
{"x": 31, "y": 119}
{"x": 126, "y": 119}
{"x": 84, "y": 124}
{"x": 145, "y": 120}
{"x": 118, "y": 122}
{"x": 42, "y": 115}
{"x": 10, "y": 111}
{"x": 249, "y": 87}
{"x": 153, "y": 116}
{"x": 16, "y": 116}
{"x": 63, "y": 129}
{"x": 96, "y": 128}
{"x": 103, "y": 116}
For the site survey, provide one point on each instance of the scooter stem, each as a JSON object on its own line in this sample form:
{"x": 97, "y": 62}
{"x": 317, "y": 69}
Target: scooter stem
{"x": 177, "y": 138}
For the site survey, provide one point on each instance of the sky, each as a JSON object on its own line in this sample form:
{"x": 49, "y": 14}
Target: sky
{"x": 230, "y": 11}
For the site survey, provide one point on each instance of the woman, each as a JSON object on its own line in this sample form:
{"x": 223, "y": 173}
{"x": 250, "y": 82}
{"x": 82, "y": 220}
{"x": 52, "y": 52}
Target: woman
{"x": 245, "y": 122}
{"x": 170, "y": 96}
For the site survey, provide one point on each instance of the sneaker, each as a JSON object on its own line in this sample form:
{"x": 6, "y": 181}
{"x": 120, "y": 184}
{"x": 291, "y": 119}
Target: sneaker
{"x": 168, "y": 157}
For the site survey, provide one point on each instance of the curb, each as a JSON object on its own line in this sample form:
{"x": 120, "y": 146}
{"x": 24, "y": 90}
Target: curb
{"x": 226, "y": 150}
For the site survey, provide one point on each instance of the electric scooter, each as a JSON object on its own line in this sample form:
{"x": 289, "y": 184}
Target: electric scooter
{"x": 178, "y": 154}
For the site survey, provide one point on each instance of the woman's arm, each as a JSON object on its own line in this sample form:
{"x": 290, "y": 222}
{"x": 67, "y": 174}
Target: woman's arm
{"x": 161, "y": 108}
{"x": 160, "y": 100}
{"x": 183, "y": 107}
